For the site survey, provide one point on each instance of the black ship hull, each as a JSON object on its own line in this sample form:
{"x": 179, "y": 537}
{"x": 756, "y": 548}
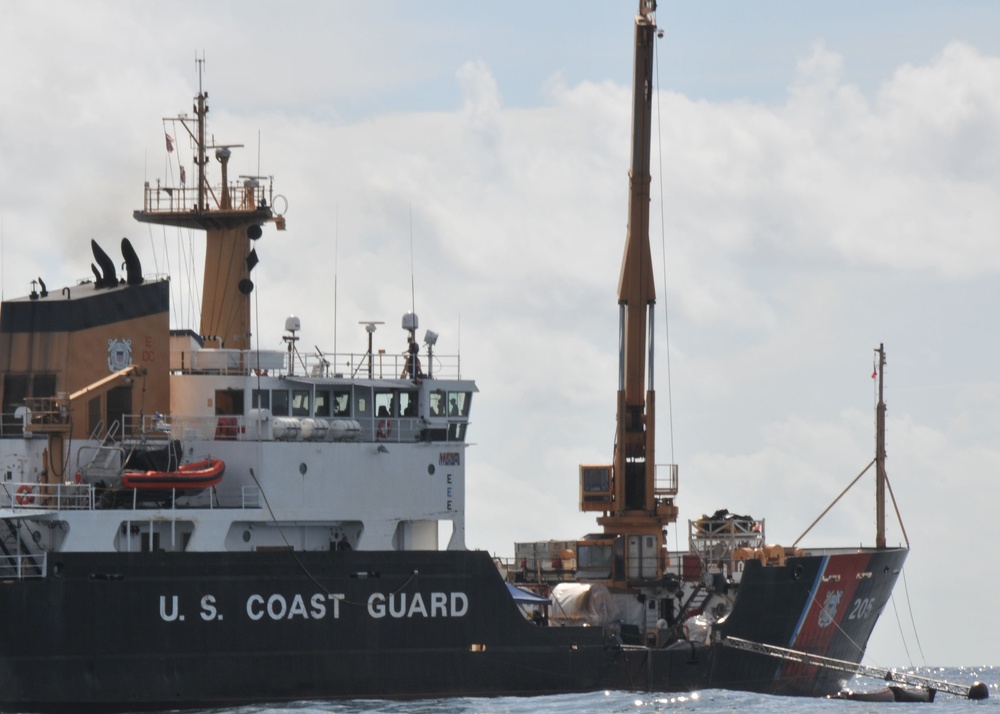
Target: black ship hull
{"x": 825, "y": 605}
{"x": 146, "y": 631}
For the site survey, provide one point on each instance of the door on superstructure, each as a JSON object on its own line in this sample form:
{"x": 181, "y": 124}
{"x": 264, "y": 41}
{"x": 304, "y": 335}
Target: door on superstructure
{"x": 15, "y": 391}
{"x": 119, "y": 406}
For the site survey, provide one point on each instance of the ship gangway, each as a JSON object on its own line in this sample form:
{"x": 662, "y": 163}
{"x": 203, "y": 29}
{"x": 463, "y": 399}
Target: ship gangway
{"x": 977, "y": 690}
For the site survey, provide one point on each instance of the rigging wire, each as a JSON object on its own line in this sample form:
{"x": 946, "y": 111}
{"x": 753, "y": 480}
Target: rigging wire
{"x": 913, "y": 624}
{"x": 663, "y": 250}
{"x": 294, "y": 553}
{"x": 663, "y": 255}
{"x": 899, "y": 624}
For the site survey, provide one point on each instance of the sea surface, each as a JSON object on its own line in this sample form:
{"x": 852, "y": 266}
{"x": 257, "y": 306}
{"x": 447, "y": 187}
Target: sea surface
{"x": 712, "y": 700}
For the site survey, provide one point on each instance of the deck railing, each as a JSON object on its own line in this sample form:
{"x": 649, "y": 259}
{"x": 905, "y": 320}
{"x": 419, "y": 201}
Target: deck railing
{"x": 22, "y": 567}
{"x": 340, "y": 365}
{"x": 246, "y": 194}
{"x": 23, "y": 495}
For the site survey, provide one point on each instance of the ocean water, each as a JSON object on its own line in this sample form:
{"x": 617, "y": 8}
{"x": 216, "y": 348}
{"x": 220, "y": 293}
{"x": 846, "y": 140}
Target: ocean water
{"x": 712, "y": 700}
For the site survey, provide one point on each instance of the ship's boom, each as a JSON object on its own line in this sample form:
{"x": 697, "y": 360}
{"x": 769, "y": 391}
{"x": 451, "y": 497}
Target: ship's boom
{"x": 635, "y": 507}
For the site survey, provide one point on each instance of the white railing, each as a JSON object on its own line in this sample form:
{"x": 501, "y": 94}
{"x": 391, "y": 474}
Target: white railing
{"x": 251, "y": 497}
{"x": 25, "y": 496}
{"x": 342, "y": 365}
{"x": 20, "y": 567}
{"x": 22, "y": 495}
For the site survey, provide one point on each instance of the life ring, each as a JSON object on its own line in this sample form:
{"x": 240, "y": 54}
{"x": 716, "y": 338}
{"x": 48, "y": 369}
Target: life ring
{"x": 24, "y": 495}
{"x": 384, "y": 430}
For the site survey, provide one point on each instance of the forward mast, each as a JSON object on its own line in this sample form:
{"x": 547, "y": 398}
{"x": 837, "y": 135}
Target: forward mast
{"x": 231, "y": 214}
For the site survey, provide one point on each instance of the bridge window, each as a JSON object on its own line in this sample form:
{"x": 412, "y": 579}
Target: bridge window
{"x": 363, "y": 401}
{"x": 458, "y": 403}
{"x": 341, "y": 403}
{"x": 322, "y": 403}
{"x": 384, "y": 404}
{"x": 279, "y": 402}
{"x": 408, "y": 404}
{"x": 300, "y": 402}
{"x": 437, "y": 402}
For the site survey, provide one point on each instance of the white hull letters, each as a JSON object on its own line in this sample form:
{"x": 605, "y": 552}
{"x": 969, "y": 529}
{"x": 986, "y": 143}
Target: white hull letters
{"x": 317, "y": 606}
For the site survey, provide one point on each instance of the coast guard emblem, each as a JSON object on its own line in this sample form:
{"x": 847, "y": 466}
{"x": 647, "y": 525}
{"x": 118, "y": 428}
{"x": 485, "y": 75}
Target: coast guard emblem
{"x": 119, "y": 354}
{"x": 829, "y": 611}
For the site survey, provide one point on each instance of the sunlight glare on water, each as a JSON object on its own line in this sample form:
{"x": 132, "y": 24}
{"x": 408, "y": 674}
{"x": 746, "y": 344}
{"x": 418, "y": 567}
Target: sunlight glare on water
{"x": 612, "y": 702}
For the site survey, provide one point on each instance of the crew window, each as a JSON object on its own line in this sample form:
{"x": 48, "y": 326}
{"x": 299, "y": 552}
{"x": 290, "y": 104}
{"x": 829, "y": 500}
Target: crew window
{"x": 261, "y": 399}
{"x": 458, "y": 403}
{"x": 384, "y": 405}
{"x": 408, "y": 404}
{"x": 279, "y": 402}
{"x": 437, "y": 403}
{"x": 596, "y": 479}
{"x": 362, "y": 401}
{"x": 342, "y": 403}
{"x": 322, "y": 403}
{"x": 594, "y": 556}
{"x": 300, "y": 402}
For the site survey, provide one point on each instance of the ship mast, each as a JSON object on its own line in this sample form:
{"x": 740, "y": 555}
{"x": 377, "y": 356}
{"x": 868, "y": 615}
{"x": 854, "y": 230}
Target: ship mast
{"x": 231, "y": 214}
{"x": 880, "y": 475}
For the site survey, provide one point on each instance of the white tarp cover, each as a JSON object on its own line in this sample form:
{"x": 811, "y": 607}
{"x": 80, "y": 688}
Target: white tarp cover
{"x": 698, "y": 629}
{"x": 581, "y": 601}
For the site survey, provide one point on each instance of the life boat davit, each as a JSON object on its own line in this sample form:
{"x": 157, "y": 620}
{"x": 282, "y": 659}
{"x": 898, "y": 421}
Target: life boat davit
{"x": 191, "y": 477}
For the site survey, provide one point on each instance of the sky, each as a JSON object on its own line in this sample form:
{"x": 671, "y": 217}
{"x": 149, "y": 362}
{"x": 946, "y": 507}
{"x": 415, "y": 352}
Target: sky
{"x": 825, "y": 181}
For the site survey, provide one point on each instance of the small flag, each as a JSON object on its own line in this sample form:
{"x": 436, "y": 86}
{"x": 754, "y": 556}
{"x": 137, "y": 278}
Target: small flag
{"x": 170, "y": 143}
{"x": 874, "y": 372}
{"x": 183, "y": 175}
